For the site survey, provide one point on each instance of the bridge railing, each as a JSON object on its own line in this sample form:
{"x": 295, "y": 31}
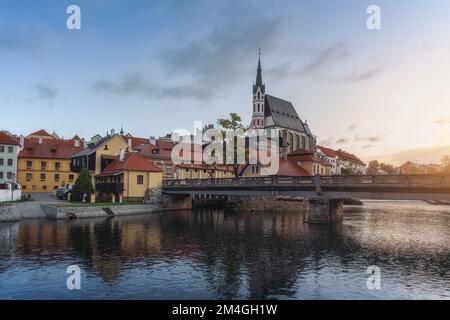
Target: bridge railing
{"x": 337, "y": 180}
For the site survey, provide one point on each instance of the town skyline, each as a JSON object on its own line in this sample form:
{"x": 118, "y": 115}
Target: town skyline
{"x": 385, "y": 90}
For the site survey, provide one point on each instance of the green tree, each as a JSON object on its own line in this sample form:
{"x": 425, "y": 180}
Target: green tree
{"x": 446, "y": 164}
{"x": 373, "y": 167}
{"x": 388, "y": 168}
{"x": 83, "y": 186}
{"x": 233, "y": 123}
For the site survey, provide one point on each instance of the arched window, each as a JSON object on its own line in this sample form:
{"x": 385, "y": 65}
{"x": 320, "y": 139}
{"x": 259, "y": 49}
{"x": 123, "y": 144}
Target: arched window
{"x": 259, "y": 95}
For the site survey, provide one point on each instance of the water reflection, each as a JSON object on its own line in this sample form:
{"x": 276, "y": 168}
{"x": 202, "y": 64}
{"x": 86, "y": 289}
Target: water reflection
{"x": 211, "y": 254}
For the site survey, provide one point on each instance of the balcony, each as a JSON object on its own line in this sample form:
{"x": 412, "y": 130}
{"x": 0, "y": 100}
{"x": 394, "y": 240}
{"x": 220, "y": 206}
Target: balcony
{"x": 109, "y": 187}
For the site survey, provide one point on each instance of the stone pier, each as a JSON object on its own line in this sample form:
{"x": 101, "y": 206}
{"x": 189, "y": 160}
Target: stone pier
{"x": 176, "y": 202}
{"x": 324, "y": 211}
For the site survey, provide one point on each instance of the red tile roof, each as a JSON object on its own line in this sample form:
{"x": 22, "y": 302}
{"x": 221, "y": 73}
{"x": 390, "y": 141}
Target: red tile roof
{"x": 41, "y": 133}
{"x": 135, "y": 141}
{"x": 8, "y": 139}
{"x": 132, "y": 162}
{"x": 329, "y": 152}
{"x": 291, "y": 169}
{"x": 49, "y": 149}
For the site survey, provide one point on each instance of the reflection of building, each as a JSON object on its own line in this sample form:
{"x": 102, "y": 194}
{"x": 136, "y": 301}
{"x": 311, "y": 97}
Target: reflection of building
{"x": 270, "y": 112}
{"x": 9, "y": 150}
{"x": 44, "y": 162}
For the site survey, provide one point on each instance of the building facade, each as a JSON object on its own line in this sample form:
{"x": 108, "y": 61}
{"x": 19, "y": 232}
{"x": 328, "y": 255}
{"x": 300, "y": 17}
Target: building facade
{"x": 44, "y": 162}
{"x": 9, "y": 151}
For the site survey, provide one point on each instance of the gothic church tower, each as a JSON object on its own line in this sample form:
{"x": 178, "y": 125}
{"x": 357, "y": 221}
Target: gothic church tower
{"x": 259, "y": 90}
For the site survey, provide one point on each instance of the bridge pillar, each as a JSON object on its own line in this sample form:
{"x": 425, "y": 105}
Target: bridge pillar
{"x": 176, "y": 202}
{"x": 324, "y": 211}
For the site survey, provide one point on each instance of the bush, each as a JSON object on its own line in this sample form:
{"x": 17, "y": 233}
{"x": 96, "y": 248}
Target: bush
{"x": 83, "y": 186}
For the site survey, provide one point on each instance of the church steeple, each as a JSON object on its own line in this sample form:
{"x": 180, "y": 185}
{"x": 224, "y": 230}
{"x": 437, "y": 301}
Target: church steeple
{"x": 258, "y": 117}
{"x": 259, "y": 82}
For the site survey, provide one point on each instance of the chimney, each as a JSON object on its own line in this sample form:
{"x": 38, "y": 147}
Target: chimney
{"x": 130, "y": 142}
{"x": 122, "y": 155}
{"x": 21, "y": 142}
{"x": 77, "y": 143}
{"x": 84, "y": 143}
{"x": 40, "y": 140}
{"x": 153, "y": 140}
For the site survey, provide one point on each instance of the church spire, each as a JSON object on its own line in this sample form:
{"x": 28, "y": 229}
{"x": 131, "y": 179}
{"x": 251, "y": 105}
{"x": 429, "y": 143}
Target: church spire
{"x": 259, "y": 82}
{"x": 259, "y": 73}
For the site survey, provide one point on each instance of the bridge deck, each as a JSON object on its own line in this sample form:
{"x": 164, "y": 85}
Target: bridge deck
{"x": 400, "y": 187}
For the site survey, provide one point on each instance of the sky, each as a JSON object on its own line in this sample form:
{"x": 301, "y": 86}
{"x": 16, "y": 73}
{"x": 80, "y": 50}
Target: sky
{"x": 155, "y": 66}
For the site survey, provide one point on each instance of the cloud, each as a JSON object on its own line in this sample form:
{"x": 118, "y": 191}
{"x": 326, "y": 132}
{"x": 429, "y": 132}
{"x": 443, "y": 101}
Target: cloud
{"x": 356, "y": 75}
{"x": 366, "y": 146}
{"x": 352, "y": 127}
{"x": 46, "y": 92}
{"x": 336, "y": 52}
{"x": 210, "y": 64}
{"x": 442, "y": 121}
{"x": 326, "y": 142}
{"x": 368, "y": 138}
{"x": 342, "y": 140}
{"x": 141, "y": 85}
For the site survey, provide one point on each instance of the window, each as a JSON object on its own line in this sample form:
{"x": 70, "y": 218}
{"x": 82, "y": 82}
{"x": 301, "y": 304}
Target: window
{"x": 43, "y": 165}
{"x": 1, "y": 174}
{"x": 56, "y": 177}
{"x": 29, "y": 176}
{"x": 9, "y": 175}
{"x": 57, "y": 165}
{"x": 29, "y": 165}
{"x": 259, "y": 95}
{"x": 140, "y": 179}
{"x": 10, "y": 149}
{"x": 44, "y": 187}
{"x": 24, "y": 187}
{"x": 2, "y": 149}
{"x": 187, "y": 170}
{"x": 70, "y": 177}
{"x": 10, "y": 162}
{"x": 2, "y": 162}
{"x": 195, "y": 170}
{"x": 42, "y": 176}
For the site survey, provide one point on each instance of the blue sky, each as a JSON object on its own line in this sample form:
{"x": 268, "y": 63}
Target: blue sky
{"x": 154, "y": 66}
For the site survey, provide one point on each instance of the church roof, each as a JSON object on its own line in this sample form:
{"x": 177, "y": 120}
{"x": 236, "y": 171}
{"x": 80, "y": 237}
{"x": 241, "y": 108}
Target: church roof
{"x": 283, "y": 114}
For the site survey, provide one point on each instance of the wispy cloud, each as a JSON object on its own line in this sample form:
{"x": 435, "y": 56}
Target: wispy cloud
{"x": 357, "y": 75}
{"x": 442, "y": 121}
{"x": 368, "y": 138}
{"x": 342, "y": 140}
{"x": 46, "y": 92}
{"x": 333, "y": 53}
{"x": 352, "y": 127}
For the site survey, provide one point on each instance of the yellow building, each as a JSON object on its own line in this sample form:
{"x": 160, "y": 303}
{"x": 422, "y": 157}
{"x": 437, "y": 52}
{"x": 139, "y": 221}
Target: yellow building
{"x": 44, "y": 162}
{"x": 129, "y": 177}
{"x": 97, "y": 156}
{"x": 199, "y": 171}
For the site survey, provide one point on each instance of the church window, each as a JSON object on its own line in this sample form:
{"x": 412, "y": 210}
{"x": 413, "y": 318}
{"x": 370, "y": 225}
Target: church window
{"x": 259, "y": 95}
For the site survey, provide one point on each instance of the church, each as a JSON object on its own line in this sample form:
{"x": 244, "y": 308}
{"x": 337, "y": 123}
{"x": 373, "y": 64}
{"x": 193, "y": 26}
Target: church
{"x": 270, "y": 112}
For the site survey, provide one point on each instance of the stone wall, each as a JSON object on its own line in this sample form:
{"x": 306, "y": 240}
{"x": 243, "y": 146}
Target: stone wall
{"x": 65, "y": 212}
{"x": 176, "y": 202}
{"x": 9, "y": 213}
{"x": 268, "y": 203}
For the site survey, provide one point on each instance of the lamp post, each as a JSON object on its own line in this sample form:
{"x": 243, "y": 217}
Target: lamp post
{"x": 13, "y": 176}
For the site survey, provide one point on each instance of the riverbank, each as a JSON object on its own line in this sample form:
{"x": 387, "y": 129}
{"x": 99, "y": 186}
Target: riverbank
{"x": 16, "y": 212}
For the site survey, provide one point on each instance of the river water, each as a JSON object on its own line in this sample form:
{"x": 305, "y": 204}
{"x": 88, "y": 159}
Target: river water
{"x": 208, "y": 254}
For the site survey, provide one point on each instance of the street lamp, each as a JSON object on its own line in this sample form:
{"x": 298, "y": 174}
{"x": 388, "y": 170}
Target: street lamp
{"x": 13, "y": 176}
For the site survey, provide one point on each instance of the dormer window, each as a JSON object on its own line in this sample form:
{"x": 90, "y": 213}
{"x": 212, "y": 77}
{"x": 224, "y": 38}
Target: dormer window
{"x": 106, "y": 147}
{"x": 155, "y": 151}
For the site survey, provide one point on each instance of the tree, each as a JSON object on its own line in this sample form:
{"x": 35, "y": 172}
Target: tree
{"x": 446, "y": 164}
{"x": 83, "y": 186}
{"x": 373, "y": 167}
{"x": 233, "y": 123}
{"x": 388, "y": 168}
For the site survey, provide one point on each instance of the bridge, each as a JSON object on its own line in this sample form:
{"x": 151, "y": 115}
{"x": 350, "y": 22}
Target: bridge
{"x": 326, "y": 193}
{"x": 387, "y": 187}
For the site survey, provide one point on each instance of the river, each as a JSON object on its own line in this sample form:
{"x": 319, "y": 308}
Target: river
{"x": 209, "y": 254}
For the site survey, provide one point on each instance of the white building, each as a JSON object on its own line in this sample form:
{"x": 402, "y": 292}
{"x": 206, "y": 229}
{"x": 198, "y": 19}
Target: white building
{"x": 341, "y": 161}
{"x": 9, "y": 149}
